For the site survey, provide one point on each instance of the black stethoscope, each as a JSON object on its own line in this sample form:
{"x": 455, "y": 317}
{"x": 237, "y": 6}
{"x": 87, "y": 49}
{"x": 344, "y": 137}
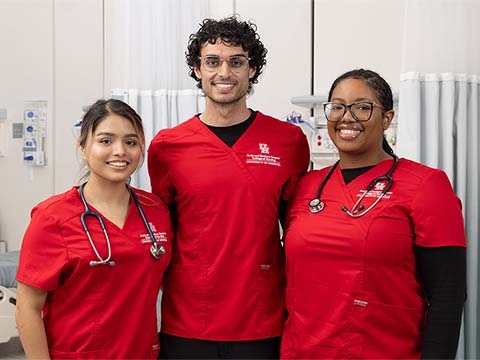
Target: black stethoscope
{"x": 156, "y": 250}
{"x": 316, "y": 205}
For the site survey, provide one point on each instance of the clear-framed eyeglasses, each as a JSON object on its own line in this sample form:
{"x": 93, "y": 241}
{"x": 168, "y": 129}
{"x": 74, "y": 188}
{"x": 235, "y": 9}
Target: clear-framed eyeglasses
{"x": 236, "y": 63}
{"x": 361, "y": 111}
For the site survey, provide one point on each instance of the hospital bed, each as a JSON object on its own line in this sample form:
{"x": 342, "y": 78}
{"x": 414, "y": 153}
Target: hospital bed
{"x": 8, "y": 298}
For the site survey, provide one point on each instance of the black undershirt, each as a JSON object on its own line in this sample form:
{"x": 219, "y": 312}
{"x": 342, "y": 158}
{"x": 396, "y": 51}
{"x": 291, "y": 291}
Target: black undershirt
{"x": 350, "y": 174}
{"x": 442, "y": 272}
{"x": 230, "y": 134}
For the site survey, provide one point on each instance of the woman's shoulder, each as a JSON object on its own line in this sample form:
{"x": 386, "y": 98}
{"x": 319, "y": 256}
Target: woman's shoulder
{"x": 59, "y": 207}
{"x": 57, "y": 202}
{"x": 416, "y": 169}
{"x": 420, "y": 178}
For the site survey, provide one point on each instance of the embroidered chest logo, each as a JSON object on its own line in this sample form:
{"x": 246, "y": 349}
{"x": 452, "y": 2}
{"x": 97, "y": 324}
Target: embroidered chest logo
{"x": 263, "y": 157}
{"x": 264, "y": 148}
{"x": 152, "y": 226}
{"x": 379, "y": 187}
{"x": 159, "y": 236}
{"x": 376, "y": 191}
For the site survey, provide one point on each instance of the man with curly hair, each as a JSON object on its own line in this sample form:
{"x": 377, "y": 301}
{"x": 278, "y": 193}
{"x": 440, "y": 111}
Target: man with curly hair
{"x": 226, "y": 173}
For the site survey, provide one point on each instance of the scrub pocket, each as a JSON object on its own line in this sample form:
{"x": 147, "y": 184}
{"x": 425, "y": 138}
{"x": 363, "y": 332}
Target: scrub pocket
{"x": 184, "y": 299}
{"x": 316, "y": 321}
{"x": 393, "y": 330}
{"x": 270, "y": 295}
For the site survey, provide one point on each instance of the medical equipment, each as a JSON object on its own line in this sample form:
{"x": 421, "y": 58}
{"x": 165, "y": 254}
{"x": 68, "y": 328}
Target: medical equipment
{"x": 323, "y": 151}
{"x": 316, "y": 205}
{"x": 34, "y": 133}
{"x": 7, "y": 314}
{"x": 156, "y": 250}
{"x": 8, "y": 296}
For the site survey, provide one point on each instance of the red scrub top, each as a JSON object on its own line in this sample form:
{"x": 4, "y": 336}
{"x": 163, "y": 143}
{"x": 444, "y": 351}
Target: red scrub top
{"x": 99, "y": 312}
{"x": 352, "y": 290}
{"x": 226, "y": 281}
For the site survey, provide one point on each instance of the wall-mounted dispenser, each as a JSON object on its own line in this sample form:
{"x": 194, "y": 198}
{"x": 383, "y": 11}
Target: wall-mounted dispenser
{"x": 34, "y": 132}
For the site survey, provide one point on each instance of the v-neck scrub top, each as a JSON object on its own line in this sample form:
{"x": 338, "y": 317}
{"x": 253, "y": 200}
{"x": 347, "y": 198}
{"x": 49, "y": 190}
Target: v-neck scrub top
{"x": 352, "y": 288}
{"x": 226, "y": 280}
{"x": 100, "y": 312}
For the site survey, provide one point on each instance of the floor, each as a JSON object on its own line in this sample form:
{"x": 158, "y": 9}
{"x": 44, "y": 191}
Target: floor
{"x": 12, "y": 349}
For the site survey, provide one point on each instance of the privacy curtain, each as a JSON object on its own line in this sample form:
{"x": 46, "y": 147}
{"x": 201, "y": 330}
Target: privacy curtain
{"x": 145, "y": 64}
{"x": 439, "y": 115}
{"x": 159, "y": 109}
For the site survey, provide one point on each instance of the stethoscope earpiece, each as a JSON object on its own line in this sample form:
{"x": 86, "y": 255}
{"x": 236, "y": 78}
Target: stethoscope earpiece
{"x": 95, "y": 263}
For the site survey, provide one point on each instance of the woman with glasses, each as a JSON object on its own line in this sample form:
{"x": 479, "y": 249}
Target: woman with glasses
{"x": 375, "y": 245}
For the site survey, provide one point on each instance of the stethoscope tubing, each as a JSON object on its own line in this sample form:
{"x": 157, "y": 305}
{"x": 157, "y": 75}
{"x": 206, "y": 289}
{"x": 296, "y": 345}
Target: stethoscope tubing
{"x": 156, "y": 250}
{"x": 316, "y": 205}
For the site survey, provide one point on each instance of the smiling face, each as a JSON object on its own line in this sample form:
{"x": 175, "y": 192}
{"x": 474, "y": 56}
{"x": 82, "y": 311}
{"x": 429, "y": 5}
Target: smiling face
{"x": 359, "y": 143}
{"x": 224, "y": 86}
{"x": 113, "y": 151}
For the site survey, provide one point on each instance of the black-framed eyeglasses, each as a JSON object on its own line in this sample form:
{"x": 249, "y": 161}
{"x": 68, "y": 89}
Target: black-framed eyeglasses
{"x": 361, "y": 110}
{"x": 236, "y": 63}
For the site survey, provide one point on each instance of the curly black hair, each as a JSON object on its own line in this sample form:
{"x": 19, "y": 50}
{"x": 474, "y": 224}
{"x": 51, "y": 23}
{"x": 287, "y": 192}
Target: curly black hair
{"x": 233, "y": 32}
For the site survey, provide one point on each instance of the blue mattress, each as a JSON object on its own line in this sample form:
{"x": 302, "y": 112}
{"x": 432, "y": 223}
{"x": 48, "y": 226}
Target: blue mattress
{"x": 8, "y": 268}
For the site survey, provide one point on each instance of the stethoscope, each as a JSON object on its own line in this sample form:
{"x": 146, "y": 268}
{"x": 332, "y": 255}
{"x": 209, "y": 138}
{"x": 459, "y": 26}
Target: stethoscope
{"x": 156, "y": 249}
{"x": 316, "y": 205}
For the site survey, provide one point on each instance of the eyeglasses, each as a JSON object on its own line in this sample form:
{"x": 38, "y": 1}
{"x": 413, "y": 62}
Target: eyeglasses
{"x": 361, "y": 111}
{"x": 236, "y": 63}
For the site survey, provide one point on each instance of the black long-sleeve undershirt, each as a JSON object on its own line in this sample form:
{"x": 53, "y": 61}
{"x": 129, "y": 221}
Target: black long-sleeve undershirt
{"x": 442, "y": 272}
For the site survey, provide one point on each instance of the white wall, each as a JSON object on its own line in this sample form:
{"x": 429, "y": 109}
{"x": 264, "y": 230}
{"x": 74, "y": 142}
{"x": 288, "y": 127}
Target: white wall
{"x": 78, "y": 79}
{"x": 54, "y": 50}
{"x": 284, "y": 28}
{"x": 348, "y": 34}
{"x": 26, "y": 70}
{"x": 51, "y": 50}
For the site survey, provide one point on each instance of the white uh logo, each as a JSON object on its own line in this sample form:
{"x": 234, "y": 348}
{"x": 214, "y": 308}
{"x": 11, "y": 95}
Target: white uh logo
{"x": 264, "y": 148}
{"x": 379, "y": 186}
{"x": 154, "y": 229}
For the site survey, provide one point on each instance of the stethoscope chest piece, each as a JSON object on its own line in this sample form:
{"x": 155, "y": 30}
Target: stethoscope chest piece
{"x": 157, "y": 251}
{"x": 316, "y": 205}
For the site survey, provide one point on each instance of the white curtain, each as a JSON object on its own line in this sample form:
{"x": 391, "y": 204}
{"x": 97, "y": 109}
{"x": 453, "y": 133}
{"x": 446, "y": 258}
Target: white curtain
{"x": 145, "y": 64}
{"x": 159, "y": 109}
{"x": 439, "y": 115}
